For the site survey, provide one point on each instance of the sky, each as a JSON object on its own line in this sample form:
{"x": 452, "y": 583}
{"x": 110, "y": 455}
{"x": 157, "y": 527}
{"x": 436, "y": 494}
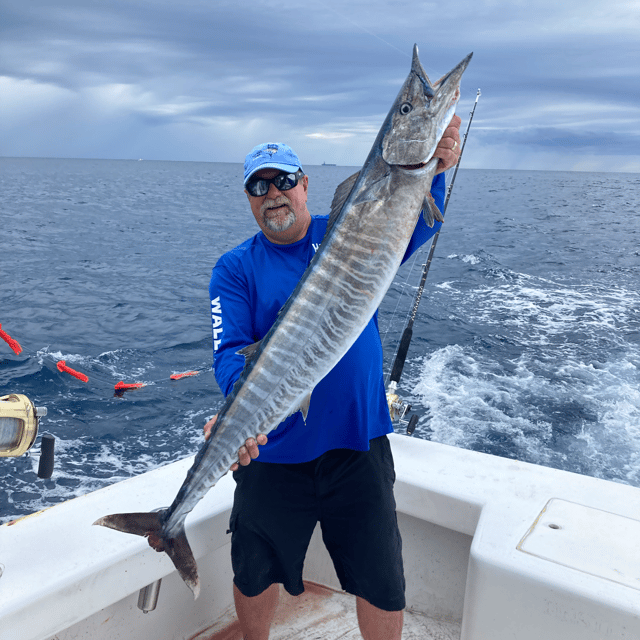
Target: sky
{"x": 206, "y": 80}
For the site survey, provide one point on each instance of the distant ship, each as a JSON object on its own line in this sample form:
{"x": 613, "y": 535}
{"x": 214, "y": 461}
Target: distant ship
{"x": 328, "y": 164}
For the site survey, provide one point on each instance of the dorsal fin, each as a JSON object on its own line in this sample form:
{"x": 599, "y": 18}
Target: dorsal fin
{"x": 339, "y": 198}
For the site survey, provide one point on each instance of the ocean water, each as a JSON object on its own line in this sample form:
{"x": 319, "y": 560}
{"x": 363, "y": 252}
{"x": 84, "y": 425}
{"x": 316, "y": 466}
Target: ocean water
{"x": 526, "y": 344}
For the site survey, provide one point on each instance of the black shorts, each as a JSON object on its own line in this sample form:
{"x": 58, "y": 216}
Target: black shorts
{"x": 276, "y": 507}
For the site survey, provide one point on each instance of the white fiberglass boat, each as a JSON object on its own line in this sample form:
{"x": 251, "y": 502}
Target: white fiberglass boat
{"x": 494, "y": 550}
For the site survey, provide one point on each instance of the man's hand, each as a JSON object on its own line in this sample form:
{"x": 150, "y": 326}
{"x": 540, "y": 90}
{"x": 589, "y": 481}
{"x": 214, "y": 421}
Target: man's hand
{"x": 246, "y": 453}
{"x": 448, "y": 149}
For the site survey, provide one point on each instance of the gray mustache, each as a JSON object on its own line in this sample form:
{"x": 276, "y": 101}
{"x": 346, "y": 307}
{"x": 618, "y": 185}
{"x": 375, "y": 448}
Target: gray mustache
{"x": 271, "y": 204}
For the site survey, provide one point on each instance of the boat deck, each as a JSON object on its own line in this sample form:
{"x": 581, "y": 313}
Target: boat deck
{"x": 321, "y": 613}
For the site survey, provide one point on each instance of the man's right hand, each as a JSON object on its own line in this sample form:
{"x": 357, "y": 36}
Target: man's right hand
{"x": 248, "y": 452}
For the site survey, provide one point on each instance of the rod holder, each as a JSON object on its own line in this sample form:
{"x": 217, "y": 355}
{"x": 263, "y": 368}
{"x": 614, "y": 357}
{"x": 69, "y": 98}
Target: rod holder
{"x": 148, "y": 596}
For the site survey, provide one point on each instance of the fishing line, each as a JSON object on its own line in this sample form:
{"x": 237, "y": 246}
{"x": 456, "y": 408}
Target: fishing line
{"x": 415, "y": 257}
{"x": 358, "y": 26}
{"x": 61, "y": 365}
{"x": 371, "y": 33}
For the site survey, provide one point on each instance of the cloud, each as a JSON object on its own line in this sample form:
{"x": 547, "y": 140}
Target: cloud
{"x": 206, "y": 81}
{"x": 23, "y": 99}
{"x": 334, "y": 135}
{"x": 618, "y": 144}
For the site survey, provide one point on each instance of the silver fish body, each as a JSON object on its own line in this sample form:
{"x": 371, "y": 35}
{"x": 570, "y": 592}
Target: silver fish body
{"x": 374, "y": 214}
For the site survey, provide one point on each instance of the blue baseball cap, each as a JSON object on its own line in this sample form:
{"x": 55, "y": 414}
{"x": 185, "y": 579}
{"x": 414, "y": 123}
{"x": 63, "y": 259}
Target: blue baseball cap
{"x": 271, "y": 155}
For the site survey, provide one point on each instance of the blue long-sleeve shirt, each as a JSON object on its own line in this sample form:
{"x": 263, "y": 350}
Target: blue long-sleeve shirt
{"x": 248, "y": 287}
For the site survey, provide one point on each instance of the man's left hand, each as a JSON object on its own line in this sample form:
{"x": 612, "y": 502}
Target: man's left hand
{"x": 247, "y": 452}
{"x": 448, "y": 149}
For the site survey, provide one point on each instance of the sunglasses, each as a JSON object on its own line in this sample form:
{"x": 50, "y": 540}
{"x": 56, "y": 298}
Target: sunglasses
{"x": 283, "y": 182}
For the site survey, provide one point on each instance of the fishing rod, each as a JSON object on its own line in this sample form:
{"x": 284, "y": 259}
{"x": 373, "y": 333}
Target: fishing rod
{"x": 397, "y": 407}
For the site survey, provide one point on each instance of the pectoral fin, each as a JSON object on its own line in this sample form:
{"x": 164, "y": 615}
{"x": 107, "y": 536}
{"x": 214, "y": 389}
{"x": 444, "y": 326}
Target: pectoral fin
{"x": 430, "y": 211}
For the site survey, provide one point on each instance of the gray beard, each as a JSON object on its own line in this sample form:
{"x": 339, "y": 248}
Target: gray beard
{"x": 282, "y": 224}
{"x": 272, "y": 223}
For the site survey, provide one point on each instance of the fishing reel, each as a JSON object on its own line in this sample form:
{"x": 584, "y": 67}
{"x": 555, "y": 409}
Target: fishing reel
{"x": 19, "y": 421}
{"x": 398, "y": 409}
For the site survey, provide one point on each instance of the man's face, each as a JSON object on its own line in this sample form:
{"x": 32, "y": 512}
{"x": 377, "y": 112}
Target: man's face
{"x": 282, "y": 215}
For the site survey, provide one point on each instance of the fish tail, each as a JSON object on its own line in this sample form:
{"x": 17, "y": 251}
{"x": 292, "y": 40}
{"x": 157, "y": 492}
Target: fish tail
{"x": 179, "y": 551}
{"x": 150, "y": 525}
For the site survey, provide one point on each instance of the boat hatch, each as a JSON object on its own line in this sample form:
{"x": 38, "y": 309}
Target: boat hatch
{"x": 586, "y": 539}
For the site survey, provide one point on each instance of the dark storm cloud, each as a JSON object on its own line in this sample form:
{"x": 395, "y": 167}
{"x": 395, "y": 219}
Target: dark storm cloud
{"x": 550, "y": 137}
{"x": 205, "y": 81}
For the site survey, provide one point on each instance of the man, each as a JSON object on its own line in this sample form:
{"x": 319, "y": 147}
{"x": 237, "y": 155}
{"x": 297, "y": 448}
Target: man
{"x": 335, "y": 467}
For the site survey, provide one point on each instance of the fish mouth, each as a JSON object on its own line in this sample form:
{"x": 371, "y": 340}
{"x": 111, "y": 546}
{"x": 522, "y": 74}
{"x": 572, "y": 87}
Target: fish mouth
{"x": 413, "y": 167}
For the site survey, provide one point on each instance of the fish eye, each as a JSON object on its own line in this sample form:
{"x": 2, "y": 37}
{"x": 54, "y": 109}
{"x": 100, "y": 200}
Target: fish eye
{"x": 405, "y": 108}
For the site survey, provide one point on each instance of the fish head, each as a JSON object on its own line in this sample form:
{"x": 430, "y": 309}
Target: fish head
{"x": 420, "y": 114}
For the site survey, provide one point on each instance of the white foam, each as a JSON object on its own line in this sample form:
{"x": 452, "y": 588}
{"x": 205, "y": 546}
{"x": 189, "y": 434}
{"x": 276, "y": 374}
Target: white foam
{"x": 469, "y": 258}
{"x": 553, "y": 412}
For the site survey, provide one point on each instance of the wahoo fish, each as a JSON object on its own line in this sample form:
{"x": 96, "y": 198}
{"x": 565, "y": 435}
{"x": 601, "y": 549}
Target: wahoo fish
{"x": 373, "y": 215}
